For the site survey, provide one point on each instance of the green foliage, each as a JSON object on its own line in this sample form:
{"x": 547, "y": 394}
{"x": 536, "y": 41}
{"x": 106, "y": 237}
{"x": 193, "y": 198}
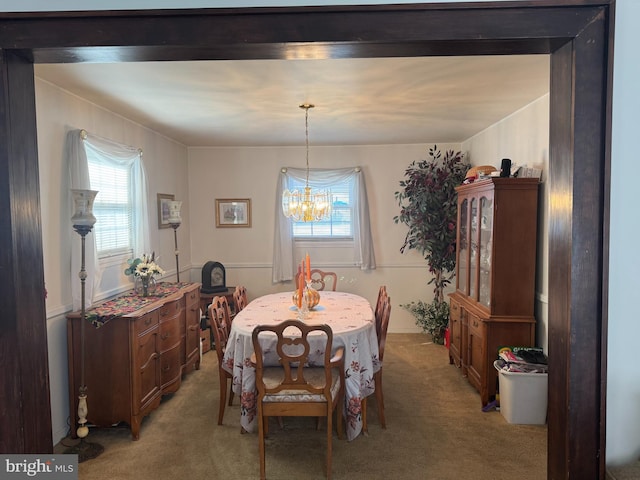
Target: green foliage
{"x": 428, "y": 206}
{"x": 133, "y": 263}
{"x": 432, "y": 317}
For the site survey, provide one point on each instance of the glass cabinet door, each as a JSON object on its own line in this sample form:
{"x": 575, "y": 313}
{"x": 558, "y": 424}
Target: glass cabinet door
{"x": 484, "y": 251}
{"x": 463, "y": 248}
{"x": 473, "y": 254}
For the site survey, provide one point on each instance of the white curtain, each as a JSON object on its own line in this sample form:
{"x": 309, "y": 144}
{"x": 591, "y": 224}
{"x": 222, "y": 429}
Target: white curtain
{"x": 283, "y": 251}
{"x": 79, "y": 142}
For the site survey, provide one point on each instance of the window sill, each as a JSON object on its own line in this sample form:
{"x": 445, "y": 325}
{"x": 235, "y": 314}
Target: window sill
{"x": 324, "y": 242}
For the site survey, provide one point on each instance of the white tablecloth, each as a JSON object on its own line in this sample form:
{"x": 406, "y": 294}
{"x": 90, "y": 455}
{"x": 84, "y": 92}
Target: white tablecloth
{"x": 352, "y": 321}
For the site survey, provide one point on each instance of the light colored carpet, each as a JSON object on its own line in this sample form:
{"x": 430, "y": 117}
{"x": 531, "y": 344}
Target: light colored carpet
{"x": 435, "y": 430}
{"x": 624, "y": 472}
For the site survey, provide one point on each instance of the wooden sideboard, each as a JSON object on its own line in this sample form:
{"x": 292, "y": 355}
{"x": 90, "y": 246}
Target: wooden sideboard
{"x": 133, "y": 358}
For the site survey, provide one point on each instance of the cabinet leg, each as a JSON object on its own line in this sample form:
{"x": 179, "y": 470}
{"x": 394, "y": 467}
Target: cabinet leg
{"x": 135, "y": 428}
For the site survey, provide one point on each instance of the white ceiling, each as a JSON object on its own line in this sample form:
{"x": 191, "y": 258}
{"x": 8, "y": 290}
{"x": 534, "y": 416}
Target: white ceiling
{"x": 358, "y": 101}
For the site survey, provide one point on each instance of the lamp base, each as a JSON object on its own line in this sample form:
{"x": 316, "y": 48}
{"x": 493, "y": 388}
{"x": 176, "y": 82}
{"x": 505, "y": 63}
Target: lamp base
{"x": 85, "y": 450}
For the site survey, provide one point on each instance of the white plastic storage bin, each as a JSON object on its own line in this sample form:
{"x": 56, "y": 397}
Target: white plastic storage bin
{"x": 523, "y": 397}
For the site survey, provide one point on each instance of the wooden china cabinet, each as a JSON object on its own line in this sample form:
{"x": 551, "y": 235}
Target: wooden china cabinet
{"x": 493, "y": 303}
{"x": 133, "y": 357}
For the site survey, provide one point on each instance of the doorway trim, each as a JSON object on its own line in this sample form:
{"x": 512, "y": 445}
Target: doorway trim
{"x": 576, "y": 33}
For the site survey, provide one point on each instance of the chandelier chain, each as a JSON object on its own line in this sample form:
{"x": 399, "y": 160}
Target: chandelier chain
{"x": 306, "y": 107}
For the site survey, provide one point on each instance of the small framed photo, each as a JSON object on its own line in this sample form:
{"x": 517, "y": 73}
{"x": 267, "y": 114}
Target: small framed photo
{"x": 233, "y": 212}
{"x": 163, "y": 209}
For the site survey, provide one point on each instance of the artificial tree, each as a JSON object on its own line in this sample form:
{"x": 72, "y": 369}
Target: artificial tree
{"x": 428, "y": 206}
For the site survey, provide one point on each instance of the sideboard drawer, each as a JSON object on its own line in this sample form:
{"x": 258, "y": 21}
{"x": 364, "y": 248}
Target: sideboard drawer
{"x": 145, "y": 322}
{"x": 170, "y": 366}
{"x": 170, "y": 310}
{"x": 169, "y": 334}
{"x": 192, "y": 297}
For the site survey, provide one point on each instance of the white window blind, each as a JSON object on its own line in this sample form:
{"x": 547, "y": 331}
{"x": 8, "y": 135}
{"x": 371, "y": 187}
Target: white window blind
{"x": 112, "y": 207}
{"x": 340, "y": 225}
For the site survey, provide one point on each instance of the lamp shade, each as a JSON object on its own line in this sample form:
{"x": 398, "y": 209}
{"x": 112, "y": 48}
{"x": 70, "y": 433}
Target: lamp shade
{"x": 174, "y": 212}
{"x": 83, "y": 207}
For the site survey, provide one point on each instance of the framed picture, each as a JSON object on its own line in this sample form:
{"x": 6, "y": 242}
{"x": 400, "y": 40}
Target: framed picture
{"x": 233, "y": 212}
{"x": 163, "y": 209}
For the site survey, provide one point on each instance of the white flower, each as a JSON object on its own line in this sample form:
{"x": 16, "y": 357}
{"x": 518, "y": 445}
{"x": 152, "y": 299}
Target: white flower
{"x": 146, "y": 267}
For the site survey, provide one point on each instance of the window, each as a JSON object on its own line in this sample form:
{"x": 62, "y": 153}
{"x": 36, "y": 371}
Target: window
{"x": 349, "y": 220}
{"x": 340, "y": 225}
{"x": 116, "y": 171}
{"x": 112, "y": 207}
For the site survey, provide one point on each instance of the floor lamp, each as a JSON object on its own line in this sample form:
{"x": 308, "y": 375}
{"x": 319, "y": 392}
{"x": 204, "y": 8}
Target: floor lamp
{"x": 175, "y": 220}
{"x": 83, "y": 221}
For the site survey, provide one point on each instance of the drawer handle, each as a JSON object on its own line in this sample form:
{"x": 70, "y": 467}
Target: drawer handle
{"x": 167, "y": 368}
{"x": 193, "y": 327}
{"x": 475, "y": 323}
{"x": 164, "y": 336}
{"x": 147, "y": 321}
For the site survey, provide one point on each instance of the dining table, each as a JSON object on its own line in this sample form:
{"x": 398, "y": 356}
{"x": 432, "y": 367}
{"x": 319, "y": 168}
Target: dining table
{"x": 351, "y": 319}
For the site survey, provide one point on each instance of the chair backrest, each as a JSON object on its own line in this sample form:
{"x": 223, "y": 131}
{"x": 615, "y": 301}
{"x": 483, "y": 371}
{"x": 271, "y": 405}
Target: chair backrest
{"x": 319, "y": 280}
{"x": 240, "y": 298}
{"x": 383, "y": 325}
{"x": 220, "y": 318}
{"x": 382, "y": 294}
{"x": 293, "y": 352}
{"x": 222, "y": 304}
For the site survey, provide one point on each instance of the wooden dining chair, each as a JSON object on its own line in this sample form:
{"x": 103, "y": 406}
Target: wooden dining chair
{"x": 220, "y": 318}
{"x": 319, "y": 279}
{"x": 298, "y": 386}
{"x": 382, "y": 295}
{"x": 382, "y": 325}
{"x": 240, "y": 298}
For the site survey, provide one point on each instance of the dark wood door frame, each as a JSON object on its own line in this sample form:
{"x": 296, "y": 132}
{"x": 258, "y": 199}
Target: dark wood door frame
{"x": 577, "y": 34}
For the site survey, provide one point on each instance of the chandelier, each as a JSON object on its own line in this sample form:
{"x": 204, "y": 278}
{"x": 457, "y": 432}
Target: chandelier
{"x": 306, "y": 206}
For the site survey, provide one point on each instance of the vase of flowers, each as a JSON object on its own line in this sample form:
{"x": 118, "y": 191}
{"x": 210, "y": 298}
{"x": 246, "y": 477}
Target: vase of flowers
{"x": 144, "y": 270}
{"x": 144, "y": 286}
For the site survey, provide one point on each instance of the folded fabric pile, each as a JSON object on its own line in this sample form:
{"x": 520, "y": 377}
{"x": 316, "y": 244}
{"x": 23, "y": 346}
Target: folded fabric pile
{"x": 522, "y": 359}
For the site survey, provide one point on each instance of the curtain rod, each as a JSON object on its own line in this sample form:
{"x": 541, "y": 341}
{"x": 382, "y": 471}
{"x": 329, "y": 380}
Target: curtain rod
{"x": 355, "y": 169}
{"x": 84, "y": 134}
